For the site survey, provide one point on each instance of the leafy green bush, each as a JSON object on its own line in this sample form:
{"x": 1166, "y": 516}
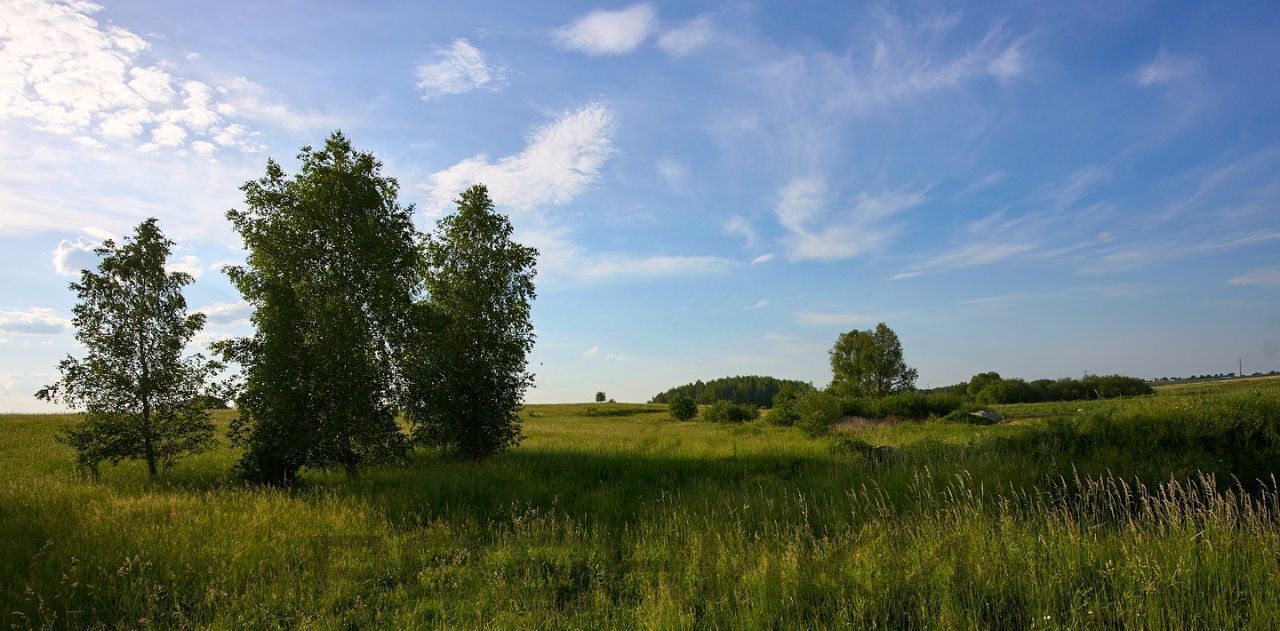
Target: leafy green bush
{"x": 1011, "y": 391}
{"x": 910, "y": 404}
{"x": 784, "y": 411}
{"x": 816, "y": 412}
{"x": 726, "y": 412}
{"x": 682, "y": 408}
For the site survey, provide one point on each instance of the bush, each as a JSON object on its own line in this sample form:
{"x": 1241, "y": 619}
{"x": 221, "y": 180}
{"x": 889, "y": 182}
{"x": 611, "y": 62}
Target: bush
{"x": 682, "y": 408}
{"x": 784, "y": 403}
{"x": 726, "y": 412}
{"x": 1011, "y": 391}
{"x": 911, "y": 404}
{"x": 816, "y": 412}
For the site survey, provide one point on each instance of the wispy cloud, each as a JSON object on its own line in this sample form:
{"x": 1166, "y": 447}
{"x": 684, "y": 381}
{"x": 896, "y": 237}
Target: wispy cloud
{"x": 759, "y": 304}
{"x": 608, "y": 32}
{"x": 591, "y": 352}
{"x": 762, "y": 259}
{"x": 35, "y": 321}
{"x": 227, "y": 313}
{"x": 1128, "y": 257}
{"x": 673, "y": 171}
{"x": 817, "y": 233}
{"x": 1166, "y": 68}
{"x": 560, "y": 160}
{"x": 1263, "y": 277}
{"x": 456, "y": 69}
{"x": 688, "y": 37}
{"x": 740, "y": 226}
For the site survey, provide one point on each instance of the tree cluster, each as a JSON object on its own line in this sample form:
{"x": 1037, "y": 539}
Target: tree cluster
{"x": 748, "y": 390}
{"x": 359, "y": 319}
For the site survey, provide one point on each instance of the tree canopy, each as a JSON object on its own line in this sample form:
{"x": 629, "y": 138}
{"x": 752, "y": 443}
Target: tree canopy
{"x": 142, "y": 398}
{"x": 333, "y": 263}
{"x": 750, "y": 390}
{"x": 870, "y": 364}
{"x": 467, "y": 370}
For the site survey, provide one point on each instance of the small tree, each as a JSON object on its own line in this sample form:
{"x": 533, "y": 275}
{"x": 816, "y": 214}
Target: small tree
{"x": 142, "y": 399}
{"x": 682, "y": 408}
{"x": 467, "y": 374}
{"x": 333, "y": 263}
{"x": 980, "y": 381}
{"x": 870, "y": 364}
{"x": 600, "y": 397}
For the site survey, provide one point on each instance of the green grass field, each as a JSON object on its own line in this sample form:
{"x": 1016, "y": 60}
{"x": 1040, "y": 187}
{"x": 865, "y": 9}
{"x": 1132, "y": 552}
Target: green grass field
{"x": 1159, "y": 512}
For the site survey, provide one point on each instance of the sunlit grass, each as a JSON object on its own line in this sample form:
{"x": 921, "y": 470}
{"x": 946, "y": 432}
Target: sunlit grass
{"x": 1125, "y": 515}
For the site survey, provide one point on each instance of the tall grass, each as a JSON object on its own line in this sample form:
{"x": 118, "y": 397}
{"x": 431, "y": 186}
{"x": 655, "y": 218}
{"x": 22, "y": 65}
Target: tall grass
{"x": 1137, "y": 516}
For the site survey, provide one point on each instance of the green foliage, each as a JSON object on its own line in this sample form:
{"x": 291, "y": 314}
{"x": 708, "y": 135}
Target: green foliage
{"x": 909, "y": 404}
{"x": 816, "y": 411}
{"x": 749, "y": 390}
{"x": 870, "y": 364}
{"x": 332, "y": 265}
{"x": 468, "y": 367}
{"x": 783, "y": 411}
{"x": 600, "y": 397}
{"x": 991, "y": 389}
{"x": 617, "y": 410}
{"x": 727, "y": 412}
{"x": 1011, "y": 391}
{"x": 980, "y": 381}
{"x": 682, "y": 408}
{"x": 139, "y": 394}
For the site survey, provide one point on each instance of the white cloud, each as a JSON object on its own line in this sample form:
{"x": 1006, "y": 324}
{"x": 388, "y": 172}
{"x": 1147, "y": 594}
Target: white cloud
{"x": 687, "y": 38}
{"x": 760, "y": 304}
{"x": 72, "y": 256}
{"x": 740, "y": 226}
{"x": 187, "y": 263}
{"x": 227, "y": 313}
{"x": 560, "y": 160}
{"x": 608, "y": 32}
{"x": 1265, "y": 277}
{"x": 814, "y": 233}
{"x": 1165, "y": 68}
{"x": 619, "y": 357}
{"x": 458, "y": 69}
{"x": 819, "y": 318}
{"x": 972, "y": 255}
{"x": 763, "y": 258}
{"x": 73, "y": 76}
{"x": 673, "y": 171}
{"x": 591, "y": 352}
{"x": 36, "y": 321}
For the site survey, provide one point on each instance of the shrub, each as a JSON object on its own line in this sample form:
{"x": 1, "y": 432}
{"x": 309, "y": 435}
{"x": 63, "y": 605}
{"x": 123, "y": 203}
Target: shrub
{"x": 816, "y": 412}
{"x": 1011, "y": 391}
{"x": 726, "y": 412}
{"x": 784, "y": 403}
{"x": 682, "y": 408}
{"x": 911, "y": 404}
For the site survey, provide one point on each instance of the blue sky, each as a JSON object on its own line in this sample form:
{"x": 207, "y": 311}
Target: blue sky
{"x": 716, "y": 188}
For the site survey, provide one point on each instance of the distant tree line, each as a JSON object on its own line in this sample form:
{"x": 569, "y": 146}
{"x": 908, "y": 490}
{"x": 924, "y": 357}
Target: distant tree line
{"x": 990, "y": 388}
{"x": 359, "y": 320}
{"x": 747, "y": 390}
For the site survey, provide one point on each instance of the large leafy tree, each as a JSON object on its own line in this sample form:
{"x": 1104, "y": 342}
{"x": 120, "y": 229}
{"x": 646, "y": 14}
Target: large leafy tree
{"x": 333, "y": 263}
{"x": 142, "y": 398}
{"x": 468, "y": 366}
{"x": 870, "y": 364}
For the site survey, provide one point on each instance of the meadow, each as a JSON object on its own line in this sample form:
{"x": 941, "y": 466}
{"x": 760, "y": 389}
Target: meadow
{"x": 1156, "y": 512}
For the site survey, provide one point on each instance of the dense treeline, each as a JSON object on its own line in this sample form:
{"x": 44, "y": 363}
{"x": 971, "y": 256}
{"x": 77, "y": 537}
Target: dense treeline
{"x": 748, "y": 390}
{"x": 990, "y": 388}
